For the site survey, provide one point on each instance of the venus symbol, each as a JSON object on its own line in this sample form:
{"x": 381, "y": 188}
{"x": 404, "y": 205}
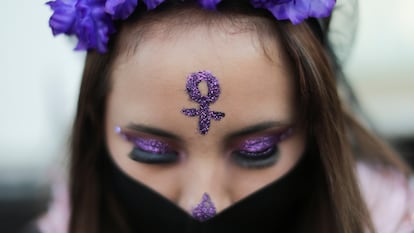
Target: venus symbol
{"x": 213, "y": 92}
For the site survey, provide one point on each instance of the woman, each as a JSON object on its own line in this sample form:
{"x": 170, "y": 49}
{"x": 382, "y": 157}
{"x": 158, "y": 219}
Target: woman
{"x": 219, "y": 116}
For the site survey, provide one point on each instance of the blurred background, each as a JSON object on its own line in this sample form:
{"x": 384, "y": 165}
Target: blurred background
{"x": 40, "y": 78}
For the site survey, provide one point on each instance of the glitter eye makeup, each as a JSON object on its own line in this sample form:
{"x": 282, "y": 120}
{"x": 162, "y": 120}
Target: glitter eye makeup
{"x": 260, "y": 152}
{"x": 151, "y": 151}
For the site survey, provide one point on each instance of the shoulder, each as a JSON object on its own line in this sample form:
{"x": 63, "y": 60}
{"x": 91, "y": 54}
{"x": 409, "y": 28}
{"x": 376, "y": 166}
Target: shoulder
{"x": 389, "y": 196}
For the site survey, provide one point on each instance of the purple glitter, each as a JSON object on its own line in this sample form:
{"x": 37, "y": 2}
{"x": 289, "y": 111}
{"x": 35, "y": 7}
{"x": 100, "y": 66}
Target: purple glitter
{"x": 148, "y": 145}
{"x": 258, "y": 144}
{"x": 193, "y": 91}
{"x": 151, "y": 145}
{"x": 205, "y": 209}
{"x": 263, "y": 143}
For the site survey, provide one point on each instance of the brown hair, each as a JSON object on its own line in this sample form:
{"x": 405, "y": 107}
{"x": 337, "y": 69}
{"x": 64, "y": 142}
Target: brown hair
{"x": 338, "y": 205}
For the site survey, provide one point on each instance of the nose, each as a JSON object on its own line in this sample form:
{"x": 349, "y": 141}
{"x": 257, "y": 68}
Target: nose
{"x": 201, "y": 176}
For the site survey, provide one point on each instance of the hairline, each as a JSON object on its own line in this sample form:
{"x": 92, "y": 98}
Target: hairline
{"x": 165, "y": 25}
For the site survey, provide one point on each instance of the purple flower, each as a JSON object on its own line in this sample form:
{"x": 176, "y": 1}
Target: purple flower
{"x": 209, "y": 4}
{"x": 152, "y": 4}
{"x": 296, "y": 10}
{"x": 120, "y": 9}
{"x": 91, "y": 21}
{"x": 94, "y": 25}
{"x": 321, "y": 8}
{"x": 86, "y": 19}
{"x": 63, "y": 18}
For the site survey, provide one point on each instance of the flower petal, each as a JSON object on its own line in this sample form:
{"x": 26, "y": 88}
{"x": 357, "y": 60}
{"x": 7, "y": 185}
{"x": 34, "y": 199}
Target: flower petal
{"x": 296, "y": 10}
{"x": 321, "y": 8}
{"x": 120, "y": 9}
{"x": 267, "y": 3}
{"x": 63, "y": 17}
{"x": 93, "y": 25}
{"x": 151, "y": 4}
{"x": 209, "y": 4}
{"x": 86, "y": 19}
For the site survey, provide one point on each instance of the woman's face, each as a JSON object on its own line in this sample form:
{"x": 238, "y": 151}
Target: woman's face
{"x": 253, "y": 145}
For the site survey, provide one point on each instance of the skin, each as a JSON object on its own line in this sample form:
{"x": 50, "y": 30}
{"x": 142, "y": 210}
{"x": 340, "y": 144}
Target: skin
{"x": 149, "y": 89}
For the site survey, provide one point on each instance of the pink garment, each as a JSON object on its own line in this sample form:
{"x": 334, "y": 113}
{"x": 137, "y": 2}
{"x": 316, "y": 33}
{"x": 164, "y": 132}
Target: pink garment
{"x": 56, "y": 218}
{"x": 389, "y": 197}
{"x": 388, "y": 194}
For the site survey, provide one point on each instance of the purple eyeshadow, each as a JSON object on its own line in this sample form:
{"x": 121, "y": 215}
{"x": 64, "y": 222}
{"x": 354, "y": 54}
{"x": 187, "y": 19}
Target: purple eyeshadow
{"x": 263, "y": 143}
{"x": 258, "y": 144}
{"x": 148, "y": 145}
{"x": 205, "y": 209}
{"x": 151, "y": 145}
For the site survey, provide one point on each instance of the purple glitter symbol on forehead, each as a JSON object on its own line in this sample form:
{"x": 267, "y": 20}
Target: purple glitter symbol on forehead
{"x": 203, "y": 112}
{"x": 205, "y": 209}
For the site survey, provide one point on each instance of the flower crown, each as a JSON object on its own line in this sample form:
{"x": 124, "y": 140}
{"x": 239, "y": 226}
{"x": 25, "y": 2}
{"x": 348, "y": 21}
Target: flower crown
{"x": 92, "y": 21}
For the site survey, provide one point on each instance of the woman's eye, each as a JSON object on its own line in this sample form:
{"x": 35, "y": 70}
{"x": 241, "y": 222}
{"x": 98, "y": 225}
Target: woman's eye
{"x": 150, "y": 151}
{"x": 259, "y": 152}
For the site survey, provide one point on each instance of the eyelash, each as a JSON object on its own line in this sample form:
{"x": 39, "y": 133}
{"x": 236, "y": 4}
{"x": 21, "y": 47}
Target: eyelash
{"x": 252, "y": 153}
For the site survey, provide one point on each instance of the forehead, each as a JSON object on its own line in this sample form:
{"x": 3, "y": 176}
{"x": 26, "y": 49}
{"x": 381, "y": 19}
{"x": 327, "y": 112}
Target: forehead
{"x": 149, "y": 86}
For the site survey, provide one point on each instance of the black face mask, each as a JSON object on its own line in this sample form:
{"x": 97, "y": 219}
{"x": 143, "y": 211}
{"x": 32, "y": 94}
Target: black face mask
{"x": 278, "y": 207}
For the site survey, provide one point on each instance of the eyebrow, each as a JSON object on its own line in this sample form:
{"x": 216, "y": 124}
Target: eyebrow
{"x": 153, "y": 131}
{"x": 239, "y": 133}
{"x": 256, "y": 128}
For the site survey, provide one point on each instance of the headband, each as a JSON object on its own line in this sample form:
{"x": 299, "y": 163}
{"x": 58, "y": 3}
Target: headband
{"x": 92, "y": 21}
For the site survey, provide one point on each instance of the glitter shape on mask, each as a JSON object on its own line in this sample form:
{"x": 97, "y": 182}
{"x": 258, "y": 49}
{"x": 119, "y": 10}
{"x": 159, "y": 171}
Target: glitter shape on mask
{"x": 205, "y": 209}
{"x": 204, "y": 113}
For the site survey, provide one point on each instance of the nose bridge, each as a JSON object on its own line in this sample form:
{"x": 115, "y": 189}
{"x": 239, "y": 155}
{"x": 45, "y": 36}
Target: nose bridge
{"x": 204, "y": 174}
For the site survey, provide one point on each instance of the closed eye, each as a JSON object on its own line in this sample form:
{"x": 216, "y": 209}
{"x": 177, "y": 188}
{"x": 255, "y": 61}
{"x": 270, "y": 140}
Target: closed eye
{"x": 149, "y": 150}
{"x": 259, "y": 152}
